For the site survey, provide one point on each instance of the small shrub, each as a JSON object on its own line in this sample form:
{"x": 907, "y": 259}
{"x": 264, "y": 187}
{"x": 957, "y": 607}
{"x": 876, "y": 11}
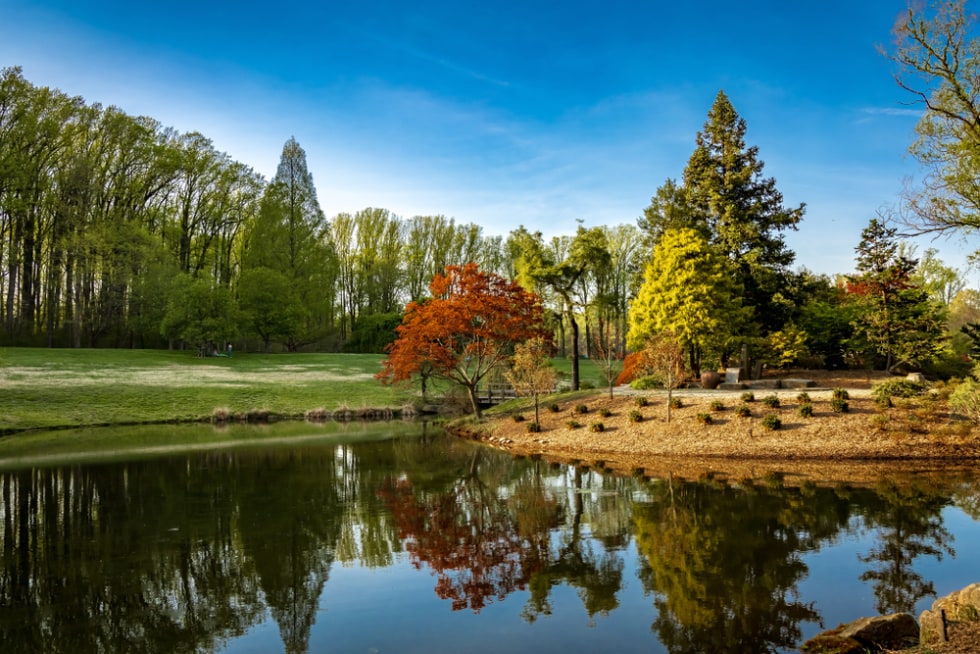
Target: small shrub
{"x": 597, "y": 427}
{"x": 884, "y": 402}
{"x": 805, "y": 410}
{"x": 840, "y": 394}
{"x": 771, "y": 401}
{"x": 890, "y": 388}
{"x": 748, "y": 396}
{"x": 743, "y": 411}
{"x": 642, "y": 401}
{"x": 648, "y": 383}
{"x": 258, "y": 415}
{"x": 717, "y": 405}
{"x": 803, "y": 398}
{"x": 517, "y": 417}
{"x": 533, "y": 427}
{"x": 636, "y": 416}
{"x": 704, "y": 418}
{"x": 581, "y": 408}
{"x": 604, "y": 412}
{"x": 586, "y": 385}
{"x": 839, "y": 405}
{"x": 771, "y": 421}
{"x": 675, "y": 403}
{"x": 573, "y": 424}
{"x": 966, "y": 399}
{"x": 554, "y": 408}
{"x": 224, "y": 414}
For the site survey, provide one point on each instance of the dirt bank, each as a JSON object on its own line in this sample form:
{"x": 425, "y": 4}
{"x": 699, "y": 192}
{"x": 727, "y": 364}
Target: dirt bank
{"x": 864, "y": 442}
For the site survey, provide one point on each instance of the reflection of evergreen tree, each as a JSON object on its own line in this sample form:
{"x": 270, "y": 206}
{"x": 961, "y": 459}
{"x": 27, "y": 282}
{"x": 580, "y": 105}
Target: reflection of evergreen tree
{"x": 598, "y": 575}
{"x": 290, "y": 531}
{"x": 724, "y": 563}
{"x": 910, "y": 521}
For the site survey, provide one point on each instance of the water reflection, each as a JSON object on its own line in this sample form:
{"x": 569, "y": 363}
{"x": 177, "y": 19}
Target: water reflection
{"x": 191, "y": 552}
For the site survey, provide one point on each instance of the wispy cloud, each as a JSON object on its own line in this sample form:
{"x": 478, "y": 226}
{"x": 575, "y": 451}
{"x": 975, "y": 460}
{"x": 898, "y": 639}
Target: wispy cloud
{"x": 891, "y": 111}
{"x": 406, "y": 47}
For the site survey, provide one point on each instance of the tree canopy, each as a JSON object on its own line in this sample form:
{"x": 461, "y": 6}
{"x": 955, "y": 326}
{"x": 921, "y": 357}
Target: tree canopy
{"x": 897, "y": 317}
{"x": 687, "y": 291}
{"x": 466, "y": 330}
{"x": 938, "y": 64}
{"x": 727, "y": 199}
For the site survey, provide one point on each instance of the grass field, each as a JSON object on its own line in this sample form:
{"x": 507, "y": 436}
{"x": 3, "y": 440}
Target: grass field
{"x": 43, "y": 388}
{"x": 58, "y": 388}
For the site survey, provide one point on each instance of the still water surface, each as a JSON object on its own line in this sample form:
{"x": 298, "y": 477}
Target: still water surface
{"x": 394, "y": 538}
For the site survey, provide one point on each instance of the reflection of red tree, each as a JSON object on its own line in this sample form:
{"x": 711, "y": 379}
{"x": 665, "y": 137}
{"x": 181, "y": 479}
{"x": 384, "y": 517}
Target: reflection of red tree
{"x": 469, "y": 539}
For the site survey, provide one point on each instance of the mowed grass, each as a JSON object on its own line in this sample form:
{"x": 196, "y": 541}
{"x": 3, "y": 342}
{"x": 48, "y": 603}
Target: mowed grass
{"x": 48, "y": 388}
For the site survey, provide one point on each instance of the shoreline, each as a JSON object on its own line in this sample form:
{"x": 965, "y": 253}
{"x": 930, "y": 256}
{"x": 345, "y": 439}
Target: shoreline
{"x": 863, "y": 443}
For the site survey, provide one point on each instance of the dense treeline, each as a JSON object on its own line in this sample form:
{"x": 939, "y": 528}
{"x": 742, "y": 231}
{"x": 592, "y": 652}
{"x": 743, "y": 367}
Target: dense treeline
{"x": 116, "y": 231}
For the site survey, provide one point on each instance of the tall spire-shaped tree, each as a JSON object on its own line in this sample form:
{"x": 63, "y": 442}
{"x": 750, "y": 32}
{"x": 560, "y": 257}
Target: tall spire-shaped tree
{"x": 726, "y": 197}
{"x": 289, "y": 241}
{"x": 741, "y": 209}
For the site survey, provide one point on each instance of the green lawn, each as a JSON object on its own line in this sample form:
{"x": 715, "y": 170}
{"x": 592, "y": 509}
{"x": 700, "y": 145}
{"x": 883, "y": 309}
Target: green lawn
{"x": 57, "y": 388}
{"x": 44, "y": 388}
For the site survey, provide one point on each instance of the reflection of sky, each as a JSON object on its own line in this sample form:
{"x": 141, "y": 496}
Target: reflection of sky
{"x": 364, "y": 610}
{"x": 835, "y": 571}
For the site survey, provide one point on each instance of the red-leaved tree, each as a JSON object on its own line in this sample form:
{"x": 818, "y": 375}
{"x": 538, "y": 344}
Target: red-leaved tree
{"x": 465, "y": 330}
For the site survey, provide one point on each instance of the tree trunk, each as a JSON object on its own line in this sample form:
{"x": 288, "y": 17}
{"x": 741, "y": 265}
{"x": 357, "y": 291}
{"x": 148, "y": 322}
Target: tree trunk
{"x": 574, "y": 326}
{"x": 474, "y": 400}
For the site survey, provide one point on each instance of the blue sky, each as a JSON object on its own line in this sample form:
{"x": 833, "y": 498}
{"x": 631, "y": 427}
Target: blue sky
{"x": 506, "y": 113}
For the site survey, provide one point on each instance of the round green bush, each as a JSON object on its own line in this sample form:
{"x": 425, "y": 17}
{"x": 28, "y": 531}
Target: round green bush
{"x": 717, "y": 405}
{"x": 675, "y": 403}
{"x": 597, "y": 427}
{"x": 803, "y": 398}
{"x": 517, "y": 417}
{"x": 573, "y": 424}
{"x": 839, "y": 405}
{"x": 581, "y": 408}
{"x": 841, "y": 394}
{"x": 771, "y": 421}
{"x": 604, "y": 412}
{"x": 771, "y": 401}
{"x": 533, "y": 427}
{"x": 636, "y": 416}
{"x": 554, "y": 408}
{"x": 704, "y": 418}
{"x": 642, "y": 401}
{"x": 748, "y": 396}
{"x": 805, "y": 410}
{"x": 743, "y": 411}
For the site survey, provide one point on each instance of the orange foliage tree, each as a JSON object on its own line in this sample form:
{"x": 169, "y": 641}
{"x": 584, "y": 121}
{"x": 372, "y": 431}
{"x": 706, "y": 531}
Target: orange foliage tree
{"x": 465, "y": 330}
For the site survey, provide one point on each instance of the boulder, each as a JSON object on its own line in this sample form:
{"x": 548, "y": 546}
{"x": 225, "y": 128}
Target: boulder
{"x": 916, "y": 377}
{"x": 895, "y": 631}
{"x": 960, "y": 606}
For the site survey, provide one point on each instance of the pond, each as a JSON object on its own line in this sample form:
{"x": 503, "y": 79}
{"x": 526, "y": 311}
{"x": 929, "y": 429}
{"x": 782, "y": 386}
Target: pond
{"x": 398, "y": 538}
